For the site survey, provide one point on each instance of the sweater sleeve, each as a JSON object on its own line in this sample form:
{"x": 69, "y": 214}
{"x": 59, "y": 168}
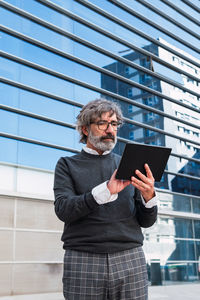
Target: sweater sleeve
{"x": 146, "y": 216}
{"x": 69, "y": 206}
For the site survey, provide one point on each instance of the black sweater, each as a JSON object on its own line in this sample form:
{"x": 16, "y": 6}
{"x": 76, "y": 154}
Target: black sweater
{"x": 91, "y": 227}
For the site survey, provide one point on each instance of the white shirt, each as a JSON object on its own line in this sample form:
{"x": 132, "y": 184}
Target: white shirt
{"x": 101, "y": 192}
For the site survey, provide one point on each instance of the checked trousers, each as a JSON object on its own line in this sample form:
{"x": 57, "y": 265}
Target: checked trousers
{"x": 115, "y": 276}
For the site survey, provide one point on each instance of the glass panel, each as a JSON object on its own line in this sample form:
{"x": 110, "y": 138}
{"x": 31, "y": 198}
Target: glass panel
{"x": 164, "y": 241}
{"x": 159, "y": 20}
{"x": 8, "y": 122}
{"x": 180, "y": 272}
{"x": 170, "y": 250}
{"x": 64, "y": 88}
{"x": 148, "y": 29}
{"x": 184, "y": 250}
{"x": 46, "y": 132}
{"x": 9, "y": 150}
{"x": 39, "y": 156}
{"x": 172, "y": 202}
{"x": 181, "y": 203}
{"x": 36, "y": 54}
{"x": 196, "y": 205}
{"x": 183, "y": 228}
{"x": 197, "y": 230}
{"x": 36, "y": 79}
{"x": 9, "y": 95}
{"x": 36, "y": 31}
{"x": 149, "y": 14}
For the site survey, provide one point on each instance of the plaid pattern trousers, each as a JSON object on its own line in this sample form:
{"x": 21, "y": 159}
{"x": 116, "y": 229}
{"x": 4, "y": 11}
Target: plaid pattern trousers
{"x": 115, "y": 276}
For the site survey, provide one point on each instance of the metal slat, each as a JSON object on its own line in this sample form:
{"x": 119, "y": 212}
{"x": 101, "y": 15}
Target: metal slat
{"x": 90, "y": 65}
{"x": 69, "y": 101}
{"x": 192, "y": 5}
{"x": 36, "y": 142}
{"x": 68, "y": 78}
{"x": 25, "y": 113}
{"x": 101, "y": 50}
{"x": 134, "y": 13}
{"x": 182, "y": 12}
{"x": 126, "y": 25}
{"x": 57, "y": 74}
{"x": 167, "y": 17}
{"x": 32, "y": 141}
{"x": 35, "y": 116}
{"x": 39, "y": 92}
{"x": 57, "y": 122}
{"x": 106, "y": 33}
{"x": 165, "y": 191}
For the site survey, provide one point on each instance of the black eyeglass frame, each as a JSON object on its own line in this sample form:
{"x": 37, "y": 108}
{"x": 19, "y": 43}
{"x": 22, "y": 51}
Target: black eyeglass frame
{"x": 106, "y": 124}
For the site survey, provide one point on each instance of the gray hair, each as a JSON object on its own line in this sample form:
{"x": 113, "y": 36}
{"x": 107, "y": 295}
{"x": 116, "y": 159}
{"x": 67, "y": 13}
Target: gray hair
{"x": 93, "y": 110}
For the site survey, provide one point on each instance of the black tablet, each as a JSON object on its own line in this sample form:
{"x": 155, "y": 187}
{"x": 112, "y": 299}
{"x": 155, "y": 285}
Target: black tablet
{"x": 136, "y": 155}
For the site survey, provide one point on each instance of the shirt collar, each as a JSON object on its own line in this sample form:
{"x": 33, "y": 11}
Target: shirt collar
{"x": 94, "y": 152}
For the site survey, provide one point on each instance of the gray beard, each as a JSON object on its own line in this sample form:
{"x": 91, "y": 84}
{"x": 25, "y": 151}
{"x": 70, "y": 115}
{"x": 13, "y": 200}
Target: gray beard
{"x": 101, "y": 144}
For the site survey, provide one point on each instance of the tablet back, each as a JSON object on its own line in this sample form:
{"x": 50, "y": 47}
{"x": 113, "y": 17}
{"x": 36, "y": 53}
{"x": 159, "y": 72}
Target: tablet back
{"x": 136, "y": 155}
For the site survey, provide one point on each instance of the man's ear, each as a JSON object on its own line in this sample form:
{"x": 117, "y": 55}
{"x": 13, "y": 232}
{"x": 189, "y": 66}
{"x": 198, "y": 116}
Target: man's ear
{"x": 85, "y": 130}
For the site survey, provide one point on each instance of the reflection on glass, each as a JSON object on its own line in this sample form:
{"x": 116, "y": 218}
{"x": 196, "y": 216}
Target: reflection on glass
{"x": 9, "y": 150}
{"x": 169, "y": 231}
{"x": 171, "y": 202}
{"x": 180, "y": 272}
{"x": 154, "y": 32}
{"x": 196, "y": 205}
{"x": 8, "y": 122}
{"x": 197, "y": 229}
{"x": 181, "y": 203}
{"x": 39, "y": 156}
{"x": 173, "y": 258}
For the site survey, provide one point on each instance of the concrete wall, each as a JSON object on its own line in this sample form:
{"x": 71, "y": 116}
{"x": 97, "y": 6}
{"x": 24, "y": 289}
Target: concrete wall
{"x": 31, "y": 252}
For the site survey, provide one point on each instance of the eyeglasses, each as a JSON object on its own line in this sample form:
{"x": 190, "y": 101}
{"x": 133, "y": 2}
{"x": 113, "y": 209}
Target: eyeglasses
{"x": 103, "y": 125}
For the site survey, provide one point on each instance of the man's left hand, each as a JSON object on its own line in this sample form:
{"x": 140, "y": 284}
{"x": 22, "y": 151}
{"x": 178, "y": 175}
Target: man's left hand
{"x": 146, "y": 184}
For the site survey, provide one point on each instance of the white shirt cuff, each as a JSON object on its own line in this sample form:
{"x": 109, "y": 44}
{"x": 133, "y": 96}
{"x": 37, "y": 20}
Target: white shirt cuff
{"x": 151, "y": 203}
{"x": 102, "y": 194}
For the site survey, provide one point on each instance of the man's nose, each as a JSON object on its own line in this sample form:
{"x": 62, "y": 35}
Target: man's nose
{"x": 109, "y": 128}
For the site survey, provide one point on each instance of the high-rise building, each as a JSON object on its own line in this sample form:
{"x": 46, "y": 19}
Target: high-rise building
{"x": 58, "y": 55}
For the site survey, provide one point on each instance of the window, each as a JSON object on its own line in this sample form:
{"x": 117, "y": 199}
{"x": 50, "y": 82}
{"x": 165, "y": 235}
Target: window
{"x": 127, "y": 70}
{"x": 150, "y": 132}
{"x": 144, "y": 78}
{"x": 150, "y": 116}
{"x": 196, "y": 134}
{"x": 131, "y": 135}
{"x": 151, "y": 101}
{"x": 187, "y": 131}
{"x": 130, "y": 108}
{"x": 130, "y": 92}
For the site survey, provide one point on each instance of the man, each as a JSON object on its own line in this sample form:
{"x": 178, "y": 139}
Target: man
{"x": 103, "y": 216}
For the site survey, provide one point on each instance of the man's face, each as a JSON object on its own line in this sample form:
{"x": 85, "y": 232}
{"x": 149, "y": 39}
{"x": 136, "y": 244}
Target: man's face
{"x": 101, "y": 136}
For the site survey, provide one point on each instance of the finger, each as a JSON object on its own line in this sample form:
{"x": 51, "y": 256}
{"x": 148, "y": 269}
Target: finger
{"x": 139, "y": 183}
{"x": 148, "y": 171}
{"x": 138, "y": 186}
{"x": 114, "y": 174}
{"x": 141, "y": 176}
{"x": 146, "y": 190}
{"x": 126, "y": 183}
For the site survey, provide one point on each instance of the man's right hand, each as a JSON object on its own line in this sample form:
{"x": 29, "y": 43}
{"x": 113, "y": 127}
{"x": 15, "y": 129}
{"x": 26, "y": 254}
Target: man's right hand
{"x": 116, "y": 185}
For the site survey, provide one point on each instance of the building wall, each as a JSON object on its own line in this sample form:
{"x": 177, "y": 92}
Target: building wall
{"x": 31, "y": 251}
{"x": 58, "y": 55}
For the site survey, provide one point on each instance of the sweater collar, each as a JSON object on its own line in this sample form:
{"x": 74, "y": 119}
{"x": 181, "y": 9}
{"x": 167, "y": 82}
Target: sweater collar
{"x": 94, "y": 152}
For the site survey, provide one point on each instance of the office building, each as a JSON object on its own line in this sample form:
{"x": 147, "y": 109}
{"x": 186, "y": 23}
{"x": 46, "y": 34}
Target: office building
{"x": 58, "y": 55}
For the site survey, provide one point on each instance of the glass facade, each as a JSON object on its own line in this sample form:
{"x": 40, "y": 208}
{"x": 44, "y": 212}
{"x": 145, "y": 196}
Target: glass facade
{"x": 58, "y": 55}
